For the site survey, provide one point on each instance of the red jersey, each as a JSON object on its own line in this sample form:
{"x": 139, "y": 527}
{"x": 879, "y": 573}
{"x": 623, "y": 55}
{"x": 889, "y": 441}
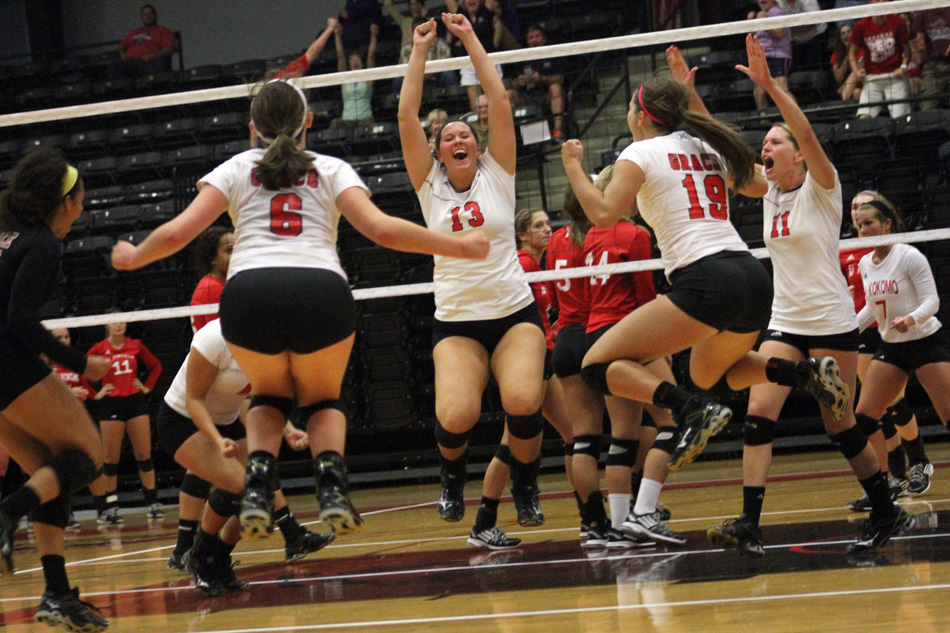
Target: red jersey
{"x": 148, "y": 40}
{"x": 884, "y": 43}
{"x": 543, "y": 294}
{"x": 72, "y": 379}
{"x": 125, "y": 366}
{"x": 849, "y": 266}
{"x": 612, "y": 297}
{"x": 570, "y": 295}
{"x": 208, "y": 291}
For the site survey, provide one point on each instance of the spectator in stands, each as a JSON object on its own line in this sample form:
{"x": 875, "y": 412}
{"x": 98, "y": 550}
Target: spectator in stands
{"x": 932, "y": 40}
{"x": 489, "y": 32}
{"x": 435, "y": 121}
{"x": 778, "y": 50}
{"x": 887, "y": 53}
{"x": 540, "y": 82}
{"x": 300, "y": 66}
{"x": 481, "y": 124}
{"x": 848, "y": 82}
{"x": 805, "y": 53}
{"x": 440, "y": 50}
{"x": 148, "y": 48}
{"x": 510, "y": 22}
{"x": 358, "y": 18}
{"x": 357, "y": 95}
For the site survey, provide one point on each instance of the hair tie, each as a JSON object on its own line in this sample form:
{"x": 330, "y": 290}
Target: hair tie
{"x": 69, "y": 180}
{"x": 306, "y": 108}
{"x": 643, "y": 109}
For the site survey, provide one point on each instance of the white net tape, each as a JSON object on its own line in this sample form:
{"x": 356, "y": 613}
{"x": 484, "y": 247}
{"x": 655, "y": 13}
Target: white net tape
{"x": 680, "y": 36}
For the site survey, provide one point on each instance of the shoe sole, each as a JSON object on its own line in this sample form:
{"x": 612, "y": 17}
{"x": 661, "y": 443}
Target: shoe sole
{"x": 256, "y": 524}
{"x": 331, "y": 536}
{"x": 710, "y": 428}
{"x": 54, "y": 619}
{"x": 531, "y": 523}
{"x": 451, "y": 518}
{"x": 638, "y": 530}
{"x": 474, "y": 542}
{"x": 341, "y": 521}
{"x": 627, "y": 544}
{"x": 830, "y": 377}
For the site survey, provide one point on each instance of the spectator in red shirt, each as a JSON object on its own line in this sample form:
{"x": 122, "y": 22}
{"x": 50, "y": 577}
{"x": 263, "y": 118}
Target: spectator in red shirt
{"x": 884, "y": 68}
{"x": 148, "y": 48}
{"x": 213, "y": 251}
{"x": 123, "y": 409}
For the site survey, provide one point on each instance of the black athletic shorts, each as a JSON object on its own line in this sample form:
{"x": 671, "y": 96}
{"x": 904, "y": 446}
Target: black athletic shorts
{"x": 548, "y": 364}
{"x": 18, "y": 373}
{"x": 844, "y": 342}
{"x": 174, "y": 429}
{"x": 274, "y": 310}
{"x": 569, "y": 350}
{"x": 912, "y": 355}
{"x": 592, "y": 337}
{"x": 730, "y": 291}
{"x": 120, "y": 408}
{"x": 870, "y": 340}
{"x": 488, "y": 332}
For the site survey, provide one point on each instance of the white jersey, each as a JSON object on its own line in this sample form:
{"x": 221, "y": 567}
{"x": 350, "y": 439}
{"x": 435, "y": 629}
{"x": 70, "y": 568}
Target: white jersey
{"x": 901, "y": 285}
{"x": 294, "y": 227}
{"x": 801, "y": 231}
{"x": 230, "y": 386}
{"x": 468, "y": 290}
{"x": 684, "y": 198}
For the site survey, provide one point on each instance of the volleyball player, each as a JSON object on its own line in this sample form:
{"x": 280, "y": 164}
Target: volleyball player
{"x": 485, "y": 319}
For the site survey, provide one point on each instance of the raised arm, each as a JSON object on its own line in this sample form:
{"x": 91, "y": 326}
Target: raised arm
{"x": 175, "y": 234}
{"x": 817, "y": 161}
{"x": 603, "y": 208}
{"x": 341, "y": 65}
{"x": 415, "y": 145}
{"x": 686, "y": 76}
{"x": 373, "y": 40}
{"x": 301, "y": 65}
{"x": 500, "y": 120}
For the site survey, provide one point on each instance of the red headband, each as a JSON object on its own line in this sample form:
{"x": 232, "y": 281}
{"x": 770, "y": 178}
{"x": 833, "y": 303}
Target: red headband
{"x": 643, "y": 108}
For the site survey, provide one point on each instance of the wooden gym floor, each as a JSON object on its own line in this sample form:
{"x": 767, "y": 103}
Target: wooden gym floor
{"x": 408, "y": 571}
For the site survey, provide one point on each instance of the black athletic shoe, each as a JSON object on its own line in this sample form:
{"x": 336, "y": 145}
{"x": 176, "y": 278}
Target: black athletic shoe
{"x": 877, "y": 531}
{"x": 699, "y": 420}
{"x": 307, "y": 543}
{"x": 337, "y": 511}
{"x": 177, "y": 561}
{"x": 7, "y": 531}
{"x": 74, "y": 614}
{"x": 224, "y": 570}
{"x": 527, "y": 505}
{"x": 738, "y": 533}
{"x": 823, "y": 382}
{"x": 452, "y": 501}
{"x": 920, "y": 478}
{"x": 205, "y": 574}
{"x": 492, "y": 538}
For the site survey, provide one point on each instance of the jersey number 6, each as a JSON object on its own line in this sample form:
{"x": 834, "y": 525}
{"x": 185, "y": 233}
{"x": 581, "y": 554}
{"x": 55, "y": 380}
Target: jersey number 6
{"x": 283, "y": 220}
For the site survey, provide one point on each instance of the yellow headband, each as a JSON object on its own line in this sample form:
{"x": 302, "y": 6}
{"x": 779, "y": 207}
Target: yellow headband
{"x": 69, "y": 180}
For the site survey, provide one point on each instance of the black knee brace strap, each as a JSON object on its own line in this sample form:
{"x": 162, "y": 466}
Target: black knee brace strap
{"x": 595, "y": 376}
{"x": 622, "y": 452}
{"x": 868, "y": 425}
{"x": 900, "y": 413}
{"x": 74, "y": 470}
{"x": 146, "y": 465}
{"x": 225, "y": 503}
{"x": 757, "y": 430}
{"x": 54, "y": 512}
{"x": 503, "y": 454}
{"x": 850, "y": 443}
{"x": 282, "y": 404}
{"x": 587, "y": 445}
{"x": 109, "y": 469}
{"x": 526, "y": 427}
{"x": 666, "y": 440}
{"x": 195, "y": 486}
{"x": 888, "y": 428}
{"x": 568, "y": 451}
{"x": 305, "y": 413}
{"x": 448, "y": 439}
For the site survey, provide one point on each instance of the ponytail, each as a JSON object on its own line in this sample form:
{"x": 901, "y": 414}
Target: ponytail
{"x": 283, "y": 164}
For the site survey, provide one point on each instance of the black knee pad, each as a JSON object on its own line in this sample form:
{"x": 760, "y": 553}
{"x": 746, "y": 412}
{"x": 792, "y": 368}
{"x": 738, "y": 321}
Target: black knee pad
{"x": 595, "y": 376}
{"x": 195, "y": 486}
{"x": 868, "y": 425}
{"x": 284, "y": 405}
{"x": 666, "y": 440}
{"x": 587, "y": 445}
{"x": 447, "y": 439}
{"x": 888, "y": 428}
{"x": 225, "y": 503}
{"x": 54, "y": 512}
{"x": 757, "y": 430}
{"x": 850, "y": 442}
{"x": 304, "y": 413}
{"x": 503, "y": 454}
{"x": 109, "y": 469}
{"x": 74, "y": 470}
{"x": 526, "y": 427}
{"x": 568, "y": 451}
{"x": 622, "y": 452}
{"x": 899, "y": 414}
{"x": 146, "y": 465}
